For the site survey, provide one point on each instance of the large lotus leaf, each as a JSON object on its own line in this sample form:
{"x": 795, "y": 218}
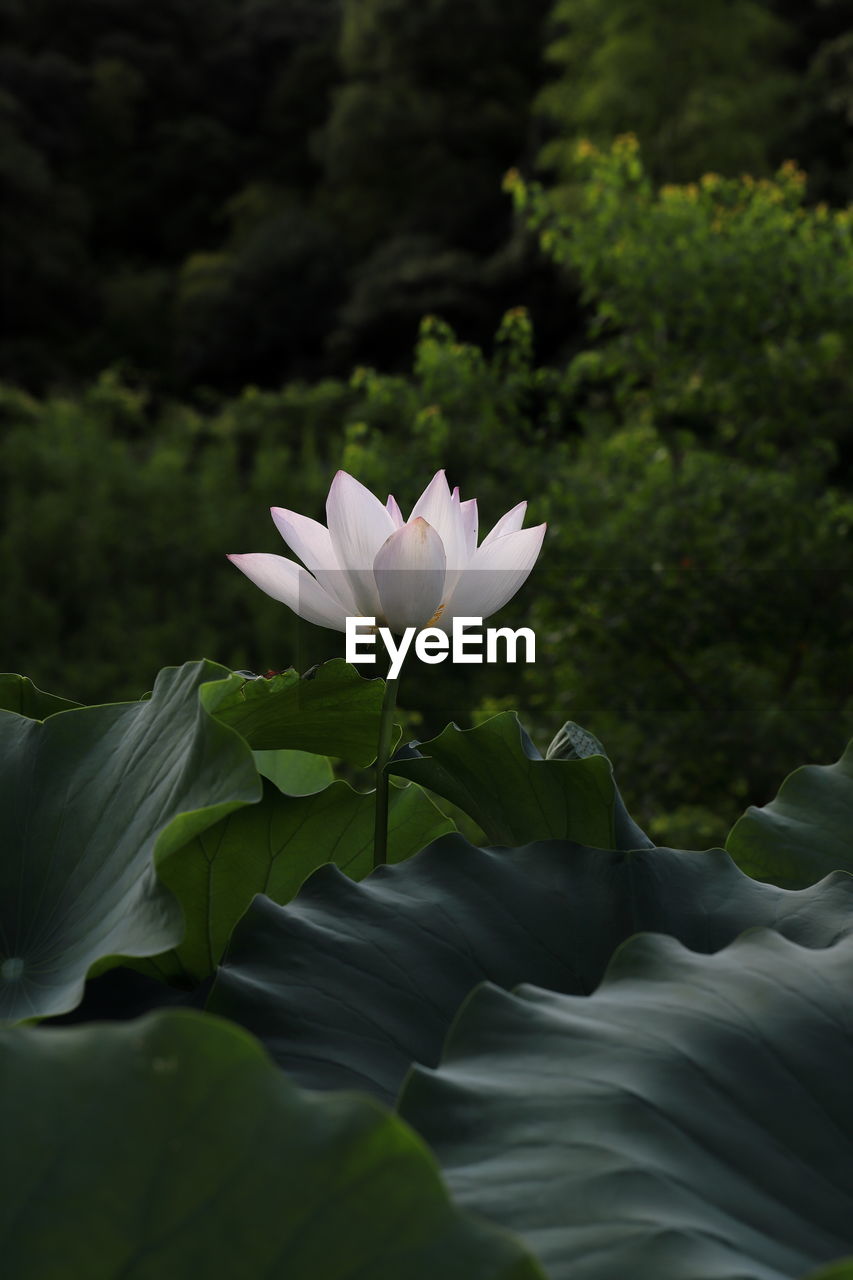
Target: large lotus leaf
{"x": 351, "y": 983}
{"x": 19, "y": 694}
{"x": 296, "y": 773}
{"x": 495, "y": 775}
{"x": 87, "y": 800}
{"x": 805, "y": 833}
{"x": 270, "y": 848}
{"x": 692, "y": 1120}
{"x": 171, "y": 1147}
{"x": 331, "y": 711}
{"x": 573, "y": 742}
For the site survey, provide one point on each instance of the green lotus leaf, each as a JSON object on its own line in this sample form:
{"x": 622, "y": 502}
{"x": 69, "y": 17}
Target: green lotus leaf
{"x": 692, "y": 1120}
{"x": 171, "y": 1147}
{"x": 351, "y": 983}
{"x": 270, "y": 848}
{"x": 19, "y": 694}
{"x": 296, "y": 773}
{"x": 805, "y": 833}
{"x": 573, "y": 742}
{"x": 495, "y": 775}
{"x": 330, "y": 711}
{"x": 88, "y": 800}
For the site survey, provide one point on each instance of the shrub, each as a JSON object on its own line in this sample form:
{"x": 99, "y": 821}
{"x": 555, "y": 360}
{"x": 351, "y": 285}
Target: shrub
{"x": 722, "y": 307}
{"x": 693, "y": 607}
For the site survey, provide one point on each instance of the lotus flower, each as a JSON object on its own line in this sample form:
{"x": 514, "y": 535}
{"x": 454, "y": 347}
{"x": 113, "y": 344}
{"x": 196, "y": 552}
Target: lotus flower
{"x": 370, "y": 562}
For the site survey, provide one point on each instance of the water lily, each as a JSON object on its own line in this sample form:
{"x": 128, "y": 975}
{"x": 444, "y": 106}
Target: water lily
{"x": 370, "y": 562}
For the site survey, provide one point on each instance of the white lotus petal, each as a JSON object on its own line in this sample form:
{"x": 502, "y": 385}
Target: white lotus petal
{"x": 358, "y": 522}
{"x": 437, "y": 485}
{"x": 494, "y": 575}
{"x": 509, "y": 523}
{"x": 393, "y": 508}
{"x": 437, "y": 507}
{"x": 307, "y": 538}
{"x": 312, "y": 542}
{"x": 358, "y": 525}
{"x": 294, "y": 586}
{"x": 409, "y": 572}
{"x": 470, "y": 524}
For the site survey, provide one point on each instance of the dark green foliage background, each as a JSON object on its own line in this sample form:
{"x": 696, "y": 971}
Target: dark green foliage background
{"x": 223, "y": 191}
{"x": 691, "y": 608}
{"x": 223, "y": 227}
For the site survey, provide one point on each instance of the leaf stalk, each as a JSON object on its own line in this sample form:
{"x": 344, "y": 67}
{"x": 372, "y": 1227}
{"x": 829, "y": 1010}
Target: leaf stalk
{"x": 383, "y": 754}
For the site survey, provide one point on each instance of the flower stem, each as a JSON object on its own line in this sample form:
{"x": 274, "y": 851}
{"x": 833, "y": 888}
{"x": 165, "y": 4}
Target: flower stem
{"x": 386, "y": 729}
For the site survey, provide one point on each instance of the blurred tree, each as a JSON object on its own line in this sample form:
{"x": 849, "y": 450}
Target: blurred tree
{"x": 698, "y": 610}
{"x": 434, "y": 107}
{"x": 260, "y": 308}
{"x": 125, "y": 147}
{"x": 702, "y": 85}
{"x": 48, "y": 284}
{"x": 404, "y": 279}
{"x": 143, "y": 147}
{"x": 820, "y": 128}
{"x": 722, "y": 308}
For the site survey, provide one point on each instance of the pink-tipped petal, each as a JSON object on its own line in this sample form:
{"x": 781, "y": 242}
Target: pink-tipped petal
{"x": 409, "y": 572}
{"x": 496, "y": 572}
{"x": 358, "y": 525}
{"x": 509, "y": 523}
{"x": 307, "y": 538}
{"x": 392, "y": 506}
{"x": 312, "y": 542}
{"x": 470, "y": 525}
{"x": 293, "y": 586}
{"x": 358, "y": 522}
{"x": 437, "y": 507}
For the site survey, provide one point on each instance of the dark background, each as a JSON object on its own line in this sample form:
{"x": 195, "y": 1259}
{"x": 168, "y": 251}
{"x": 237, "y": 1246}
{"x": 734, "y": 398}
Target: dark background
{"x": 216, "y": 192}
